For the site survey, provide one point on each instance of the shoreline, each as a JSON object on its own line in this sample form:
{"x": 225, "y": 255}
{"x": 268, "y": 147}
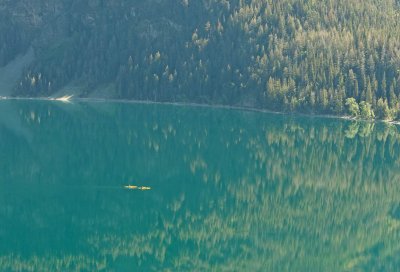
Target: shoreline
{"x": 72, "y": 99}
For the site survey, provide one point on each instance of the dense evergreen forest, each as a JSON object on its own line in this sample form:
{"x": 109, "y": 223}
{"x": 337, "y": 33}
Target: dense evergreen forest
{"x": 332, "y": 56}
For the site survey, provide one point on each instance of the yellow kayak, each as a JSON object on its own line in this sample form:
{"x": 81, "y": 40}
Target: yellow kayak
{"x": 131, "y": 187}
{"x": 134, "y": 187}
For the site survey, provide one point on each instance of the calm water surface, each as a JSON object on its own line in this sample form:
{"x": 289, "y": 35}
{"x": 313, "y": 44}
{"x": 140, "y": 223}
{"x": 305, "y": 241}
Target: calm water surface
{"x": 230, "y": 190}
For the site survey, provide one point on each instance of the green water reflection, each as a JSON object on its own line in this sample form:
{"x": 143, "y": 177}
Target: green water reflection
{"x": 231, "y": 190}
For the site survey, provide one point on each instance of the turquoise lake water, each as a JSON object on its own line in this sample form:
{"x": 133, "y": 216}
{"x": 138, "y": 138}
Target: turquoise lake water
{"x": 230, "y": 190}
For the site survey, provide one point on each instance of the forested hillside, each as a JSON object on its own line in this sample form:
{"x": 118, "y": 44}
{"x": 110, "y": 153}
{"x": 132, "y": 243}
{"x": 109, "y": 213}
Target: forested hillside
{"x": 330, "y": 56}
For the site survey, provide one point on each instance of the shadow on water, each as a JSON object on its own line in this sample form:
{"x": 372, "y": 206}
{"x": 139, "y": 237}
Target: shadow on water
{"x": 231, "y": 190}
{"x": 395, "y": 212}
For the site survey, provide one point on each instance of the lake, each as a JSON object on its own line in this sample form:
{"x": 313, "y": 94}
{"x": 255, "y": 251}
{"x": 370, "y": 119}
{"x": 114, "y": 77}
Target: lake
{"x": 230, "y": 190}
